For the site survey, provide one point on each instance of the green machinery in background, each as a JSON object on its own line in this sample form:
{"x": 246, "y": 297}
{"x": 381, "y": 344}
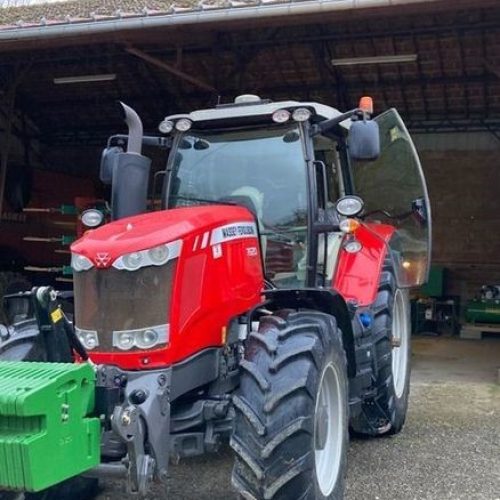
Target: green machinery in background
{"x": 486, "y": 307}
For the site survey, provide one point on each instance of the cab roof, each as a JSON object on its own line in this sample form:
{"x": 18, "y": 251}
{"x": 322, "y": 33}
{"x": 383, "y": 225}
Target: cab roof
{"x": 255, "y": 109}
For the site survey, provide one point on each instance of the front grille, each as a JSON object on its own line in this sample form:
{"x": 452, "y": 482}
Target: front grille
{"x": 108, "y": 300}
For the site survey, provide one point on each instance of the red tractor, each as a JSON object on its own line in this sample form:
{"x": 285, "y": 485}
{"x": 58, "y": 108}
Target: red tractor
{"x": 266, "y": 302}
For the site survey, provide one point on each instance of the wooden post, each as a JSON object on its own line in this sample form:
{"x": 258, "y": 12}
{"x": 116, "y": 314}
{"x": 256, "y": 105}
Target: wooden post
{"x": 5, "y": 144}
{"x": 19, "y": 74}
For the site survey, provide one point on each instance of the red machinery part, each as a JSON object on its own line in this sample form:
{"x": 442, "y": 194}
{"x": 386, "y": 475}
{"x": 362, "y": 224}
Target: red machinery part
{"x": 218, "y": 274}
{"x": 358, "y": 274}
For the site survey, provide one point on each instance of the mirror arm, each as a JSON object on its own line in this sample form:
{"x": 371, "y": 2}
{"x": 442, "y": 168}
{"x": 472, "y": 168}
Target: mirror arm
{"x": 325, "y": 227}
{"x": 147, "y": 140}
{"x": 323, "y": 127}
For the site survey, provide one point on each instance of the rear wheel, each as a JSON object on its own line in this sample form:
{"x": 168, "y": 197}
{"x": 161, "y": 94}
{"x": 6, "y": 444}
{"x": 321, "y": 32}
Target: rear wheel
{"x": 290, "y": 430}
{"x": 385, "y": 412}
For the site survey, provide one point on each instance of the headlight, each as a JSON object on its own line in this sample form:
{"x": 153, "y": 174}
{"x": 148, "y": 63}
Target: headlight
{"x": 349, "y": 206}
{"x": 159, "y": 255}
{"x": 123, "y": 340}
{"x": 301, "y": 115}
{"x": 145, "y": 338}
{"x": 133, "y": 261}
{"x": 166, "y": 126}
{"x": 92, "y": 217}
{"x": 156, "y": 256}
{"x": 88, "y": 338}
{"x": 281, "y": 116}
{"x": 183, "y": 125}
{"x": 80, "y": 262}
{"x": 352, "y": 246}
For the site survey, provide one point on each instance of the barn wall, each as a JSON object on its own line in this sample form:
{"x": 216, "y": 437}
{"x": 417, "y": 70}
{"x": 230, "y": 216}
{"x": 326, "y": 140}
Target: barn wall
{"x": 464, "y": 187}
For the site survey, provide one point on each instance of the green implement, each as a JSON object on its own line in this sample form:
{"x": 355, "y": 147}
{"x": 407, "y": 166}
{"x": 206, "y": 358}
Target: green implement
{"x": 46, "y": 434}
{"x": 483, "y": 311}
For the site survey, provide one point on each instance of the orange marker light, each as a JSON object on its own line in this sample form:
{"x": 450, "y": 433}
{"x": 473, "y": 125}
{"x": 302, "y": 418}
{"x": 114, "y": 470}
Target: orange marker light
{"x": 349, "y": 225}
{"x": 366, "y": 104}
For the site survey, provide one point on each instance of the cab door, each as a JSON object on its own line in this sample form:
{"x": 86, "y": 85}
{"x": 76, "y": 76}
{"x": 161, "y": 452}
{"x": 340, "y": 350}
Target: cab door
{"x": 395, "y": 193}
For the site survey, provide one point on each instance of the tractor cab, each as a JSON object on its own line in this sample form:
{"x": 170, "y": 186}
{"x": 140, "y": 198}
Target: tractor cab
{"x": 290, "y": 163}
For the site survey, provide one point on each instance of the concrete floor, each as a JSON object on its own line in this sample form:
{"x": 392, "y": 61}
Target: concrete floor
{"x": 449, "y": 448}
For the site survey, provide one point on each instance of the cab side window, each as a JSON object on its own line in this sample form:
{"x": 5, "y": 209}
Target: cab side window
{"x": 325, "y": 150}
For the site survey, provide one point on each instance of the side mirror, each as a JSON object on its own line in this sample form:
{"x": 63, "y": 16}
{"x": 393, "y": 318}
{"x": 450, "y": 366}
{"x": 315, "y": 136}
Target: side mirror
{"x": 109, "y": 158}
{"x": 364, "y": 140}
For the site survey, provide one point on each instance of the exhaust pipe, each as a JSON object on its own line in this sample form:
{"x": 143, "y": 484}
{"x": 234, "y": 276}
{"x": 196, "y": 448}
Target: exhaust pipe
{"x": 135, "y": 129}
{"x": 130, "y": 172}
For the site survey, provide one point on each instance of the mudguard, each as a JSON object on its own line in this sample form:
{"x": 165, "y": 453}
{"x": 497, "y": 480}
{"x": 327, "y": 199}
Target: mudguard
{"x": 358, "y": 274}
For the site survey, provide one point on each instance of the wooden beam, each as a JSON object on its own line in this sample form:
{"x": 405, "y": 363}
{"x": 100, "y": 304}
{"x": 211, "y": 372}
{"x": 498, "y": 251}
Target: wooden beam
{"x": 171, "y": 69}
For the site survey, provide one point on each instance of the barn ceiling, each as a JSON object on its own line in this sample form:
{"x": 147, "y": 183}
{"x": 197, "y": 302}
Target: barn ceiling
{"x": 453, "y": 83}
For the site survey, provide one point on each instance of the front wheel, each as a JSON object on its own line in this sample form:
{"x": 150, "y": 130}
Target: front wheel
{"x": 290, "y": 430}
{"x": 385, "y": 412}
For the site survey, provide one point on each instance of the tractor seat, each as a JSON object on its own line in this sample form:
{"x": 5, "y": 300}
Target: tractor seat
{"x": 252, "y": 199}
{"x": 241, "y": 200}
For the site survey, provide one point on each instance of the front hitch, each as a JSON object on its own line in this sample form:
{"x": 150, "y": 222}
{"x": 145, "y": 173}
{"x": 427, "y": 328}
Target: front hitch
{"x": 135, "y": 412}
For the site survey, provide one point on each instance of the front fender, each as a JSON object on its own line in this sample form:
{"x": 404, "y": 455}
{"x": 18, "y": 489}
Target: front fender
{"x": 358, "y": 274}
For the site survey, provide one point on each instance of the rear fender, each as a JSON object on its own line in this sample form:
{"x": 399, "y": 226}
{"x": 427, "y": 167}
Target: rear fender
{"x": 358, "y": 274}
{"x": 327, "y": 301}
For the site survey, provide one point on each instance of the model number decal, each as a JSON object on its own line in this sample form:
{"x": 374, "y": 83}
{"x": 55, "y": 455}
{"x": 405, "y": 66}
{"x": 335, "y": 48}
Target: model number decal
{"x": 252, "y": 251}
{"x": 233, "y": 232}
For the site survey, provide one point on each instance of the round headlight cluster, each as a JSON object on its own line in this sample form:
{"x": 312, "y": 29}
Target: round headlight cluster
{"x": 182, "y": 125}
{"x": 349, "y": 206}
{"x": 80, "y": 263}
{"x": 146, "y": 338}
{"x": 156, "y": 256}
{"x": 298, "y": 115}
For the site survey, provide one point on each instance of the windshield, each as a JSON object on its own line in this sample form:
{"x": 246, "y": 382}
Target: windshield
{"x": 263, "y": 169}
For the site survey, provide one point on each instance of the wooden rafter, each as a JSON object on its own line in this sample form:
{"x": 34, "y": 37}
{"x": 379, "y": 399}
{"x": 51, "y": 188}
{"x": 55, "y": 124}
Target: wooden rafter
{"x": 171, "y": 69}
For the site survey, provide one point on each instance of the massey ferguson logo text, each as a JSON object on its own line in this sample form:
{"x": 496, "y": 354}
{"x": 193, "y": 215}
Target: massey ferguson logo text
{"x": 232, "y": 231}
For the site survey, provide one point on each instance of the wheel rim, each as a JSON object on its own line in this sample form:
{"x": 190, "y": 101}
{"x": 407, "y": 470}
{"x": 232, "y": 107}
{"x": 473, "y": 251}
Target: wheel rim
{"x": 400, "y": 342}
{"x": 328, "y": 429}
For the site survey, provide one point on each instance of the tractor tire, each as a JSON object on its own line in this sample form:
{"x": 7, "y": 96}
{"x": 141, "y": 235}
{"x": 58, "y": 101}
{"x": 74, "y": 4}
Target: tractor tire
{"x": 290, "y": 429}
{"x": 11, "y": 282}
{"x": 385, "y": 412}
{"x": 25, "y": 345}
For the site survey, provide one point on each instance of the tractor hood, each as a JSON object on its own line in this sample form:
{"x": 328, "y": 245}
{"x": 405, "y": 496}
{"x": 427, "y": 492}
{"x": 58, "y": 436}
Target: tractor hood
{"x": 132, "y": 234}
